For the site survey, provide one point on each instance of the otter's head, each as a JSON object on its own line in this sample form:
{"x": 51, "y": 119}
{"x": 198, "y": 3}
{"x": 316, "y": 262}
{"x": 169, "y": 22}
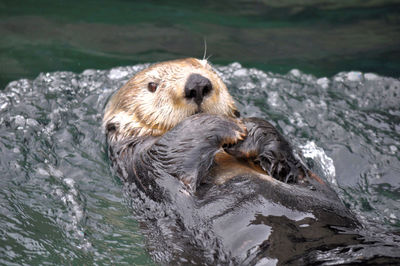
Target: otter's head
{"x": 159, "y": 97}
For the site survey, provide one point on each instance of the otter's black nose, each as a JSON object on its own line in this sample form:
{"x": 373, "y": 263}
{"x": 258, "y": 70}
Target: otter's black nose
{"x": 197, "y": 87}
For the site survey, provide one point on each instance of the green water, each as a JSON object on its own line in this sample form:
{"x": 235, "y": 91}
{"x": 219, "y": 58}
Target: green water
{"x": 59, "y": 201}
{"x": 318, "y": 37}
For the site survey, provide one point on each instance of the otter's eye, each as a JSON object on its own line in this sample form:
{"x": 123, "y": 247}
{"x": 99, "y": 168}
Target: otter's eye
{"x": 152, "y": 86}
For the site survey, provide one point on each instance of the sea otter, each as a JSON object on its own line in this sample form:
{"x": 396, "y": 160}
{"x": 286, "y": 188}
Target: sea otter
{"x": 228, "y": 189}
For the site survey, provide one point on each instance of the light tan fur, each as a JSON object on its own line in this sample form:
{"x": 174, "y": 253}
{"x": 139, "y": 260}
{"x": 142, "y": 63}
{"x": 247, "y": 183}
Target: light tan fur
{"x": 135, "y": 111}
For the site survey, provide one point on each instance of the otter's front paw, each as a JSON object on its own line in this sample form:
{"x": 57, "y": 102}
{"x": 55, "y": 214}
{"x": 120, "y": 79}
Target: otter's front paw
{"x": 230, "y": 131}
{"x": 187, "y": 151}
{"x": 265, "y": 146}
{"x": 213, "y": 130}
{"x": 251, "y": 146}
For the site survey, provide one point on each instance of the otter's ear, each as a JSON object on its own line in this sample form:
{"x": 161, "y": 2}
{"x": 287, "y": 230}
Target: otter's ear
{"x": 236, "y": 113}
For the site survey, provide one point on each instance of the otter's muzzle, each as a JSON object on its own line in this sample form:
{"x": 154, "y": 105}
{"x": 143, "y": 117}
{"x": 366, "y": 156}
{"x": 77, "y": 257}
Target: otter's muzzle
{"x": 197, "y": 87}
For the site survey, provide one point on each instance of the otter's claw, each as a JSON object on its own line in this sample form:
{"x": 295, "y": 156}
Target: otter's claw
{"x": 266, "y": 146}
{"x": 238, "y": 133}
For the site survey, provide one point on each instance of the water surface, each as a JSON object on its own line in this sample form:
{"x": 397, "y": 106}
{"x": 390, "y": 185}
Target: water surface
{"x": 60, "y": 203}
{"x": 317, "y": 36}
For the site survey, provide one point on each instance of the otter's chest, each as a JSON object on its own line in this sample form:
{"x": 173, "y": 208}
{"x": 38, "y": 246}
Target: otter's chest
{"x": 227, "y": 167}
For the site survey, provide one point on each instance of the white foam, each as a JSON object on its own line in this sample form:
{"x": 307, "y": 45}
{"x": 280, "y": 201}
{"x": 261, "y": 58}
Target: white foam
{"x": 273, "y": 98}
{"x": 393, "y": 149}
{"x": 19, "y": 120}
{"x": 3, "y": 105}
{"x": 267, "y": 262}
{"x": 42, "y": 172}
{"x": 354, "y": 76}
{"x": 117, "y": 73}
{"x": 371, "y": 76}
{"x": 311, "y": 150}
{"x": 31, "y": 122}
{"x": 89, "y": 72}
{"x": 240, "y": 72}
{"x": 323, "y": 82}
{"x": 295, "y": 72}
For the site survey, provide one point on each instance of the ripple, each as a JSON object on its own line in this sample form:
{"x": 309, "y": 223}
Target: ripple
{"x": 59, "y": 201}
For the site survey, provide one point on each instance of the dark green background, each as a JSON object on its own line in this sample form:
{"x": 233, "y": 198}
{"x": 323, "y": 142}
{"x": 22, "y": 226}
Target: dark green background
{"x": 318, "y": 37}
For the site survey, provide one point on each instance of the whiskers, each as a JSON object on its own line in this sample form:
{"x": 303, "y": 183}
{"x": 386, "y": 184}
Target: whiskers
{"x": 205, "y": 51}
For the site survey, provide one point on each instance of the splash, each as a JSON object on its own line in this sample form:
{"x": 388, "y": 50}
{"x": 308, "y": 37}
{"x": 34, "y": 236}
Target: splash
{"x": 59, "y": 201}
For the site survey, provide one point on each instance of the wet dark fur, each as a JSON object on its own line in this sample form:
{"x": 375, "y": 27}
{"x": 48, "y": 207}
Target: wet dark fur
{"x": 187, "y": 152}
{"x": 266, "y": 146}
{"x": 174, "y": 169}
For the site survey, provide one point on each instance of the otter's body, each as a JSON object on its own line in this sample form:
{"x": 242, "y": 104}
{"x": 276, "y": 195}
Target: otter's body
{"x": 230, "y": 189}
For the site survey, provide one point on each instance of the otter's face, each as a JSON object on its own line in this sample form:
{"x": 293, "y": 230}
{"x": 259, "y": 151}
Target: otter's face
{"x": 159, "y": 97}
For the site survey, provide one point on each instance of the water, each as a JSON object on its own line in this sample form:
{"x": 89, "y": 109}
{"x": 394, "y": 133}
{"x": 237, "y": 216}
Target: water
{"x": 60, "y": 203}
{"x": 317, "y": 36}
